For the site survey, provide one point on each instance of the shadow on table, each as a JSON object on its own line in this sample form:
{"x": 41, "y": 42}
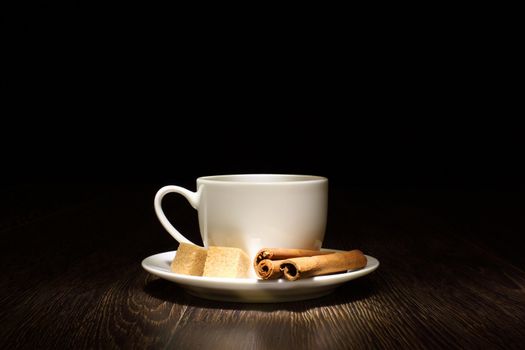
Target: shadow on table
{"x": 350, "y": 292}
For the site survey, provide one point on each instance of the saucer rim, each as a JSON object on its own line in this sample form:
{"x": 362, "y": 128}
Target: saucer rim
{"x": 337, "y": 278}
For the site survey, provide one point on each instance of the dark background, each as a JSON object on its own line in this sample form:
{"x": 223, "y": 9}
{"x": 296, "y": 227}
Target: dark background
{"x": 421, "y": 113}
{"x": 154, "y": 95}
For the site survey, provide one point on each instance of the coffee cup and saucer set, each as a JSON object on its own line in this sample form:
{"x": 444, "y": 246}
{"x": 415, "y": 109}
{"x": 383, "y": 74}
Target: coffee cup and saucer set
{"x": 250, "y": 212}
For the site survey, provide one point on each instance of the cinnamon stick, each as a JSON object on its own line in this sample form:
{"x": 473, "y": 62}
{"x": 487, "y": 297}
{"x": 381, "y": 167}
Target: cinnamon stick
{"x": 285, "y": 253}
{"x": 269, "y": 269}
{"x": 303, "y": 267}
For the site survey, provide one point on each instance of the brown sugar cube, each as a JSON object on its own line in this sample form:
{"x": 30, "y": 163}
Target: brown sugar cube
{"x": 189, "y": 260}
{"x": 227, "y": 262}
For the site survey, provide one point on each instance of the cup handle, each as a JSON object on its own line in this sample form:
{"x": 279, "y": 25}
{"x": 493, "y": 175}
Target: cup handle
{"x": 192, "y": 197}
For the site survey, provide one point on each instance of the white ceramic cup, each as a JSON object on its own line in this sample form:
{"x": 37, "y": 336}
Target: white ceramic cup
{"x": 255, "y": 211}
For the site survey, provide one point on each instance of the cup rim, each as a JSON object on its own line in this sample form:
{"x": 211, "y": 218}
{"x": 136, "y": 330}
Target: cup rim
{"x": 288, "y": 179}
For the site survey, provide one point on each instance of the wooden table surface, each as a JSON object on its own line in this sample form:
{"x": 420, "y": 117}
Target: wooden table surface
{"x": 451, "y": 275}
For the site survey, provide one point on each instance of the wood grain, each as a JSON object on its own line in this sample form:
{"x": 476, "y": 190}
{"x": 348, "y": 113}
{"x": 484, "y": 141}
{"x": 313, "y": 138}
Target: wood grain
{"x": 73, "y": 280}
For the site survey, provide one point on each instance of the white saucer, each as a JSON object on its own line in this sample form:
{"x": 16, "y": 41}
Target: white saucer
{"x": 252, "y": 290}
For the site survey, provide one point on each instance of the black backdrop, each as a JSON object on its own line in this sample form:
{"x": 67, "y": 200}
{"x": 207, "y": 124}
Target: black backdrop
{"x": 159, "y": 95}
{"x": 354, "y": 150}
{"x": 117, "y": 97}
